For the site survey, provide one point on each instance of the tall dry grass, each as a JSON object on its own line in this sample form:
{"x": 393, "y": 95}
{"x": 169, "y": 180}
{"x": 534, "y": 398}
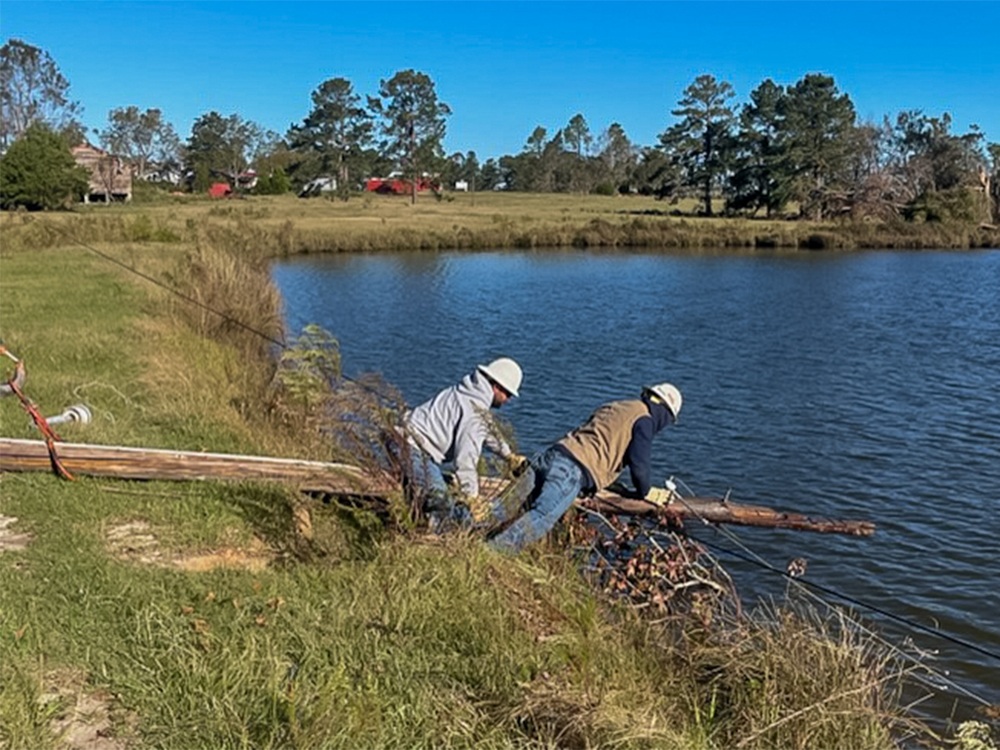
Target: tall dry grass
{"x": 286, "y": 225}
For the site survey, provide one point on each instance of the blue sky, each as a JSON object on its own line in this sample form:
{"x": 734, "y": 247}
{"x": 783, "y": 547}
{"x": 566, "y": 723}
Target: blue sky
{"x": 506, "y": 67}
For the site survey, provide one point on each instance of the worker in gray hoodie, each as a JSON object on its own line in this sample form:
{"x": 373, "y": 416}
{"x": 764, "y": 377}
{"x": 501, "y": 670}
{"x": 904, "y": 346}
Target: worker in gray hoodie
{"x": 453, "y": 427}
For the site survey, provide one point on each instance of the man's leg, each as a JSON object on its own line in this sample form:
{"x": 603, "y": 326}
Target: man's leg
{"x": 560, "y": 486}
{"x": 429, "y": 481}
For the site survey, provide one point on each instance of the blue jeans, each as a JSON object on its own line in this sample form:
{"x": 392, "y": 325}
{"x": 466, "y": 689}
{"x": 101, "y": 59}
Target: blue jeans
{"x": 554, "y": 481}
{"x": 438, "y": 503}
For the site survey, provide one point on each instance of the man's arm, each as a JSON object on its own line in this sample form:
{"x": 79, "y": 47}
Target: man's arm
{"x": 639, "y": 453}
{"x": 469, "y": 436}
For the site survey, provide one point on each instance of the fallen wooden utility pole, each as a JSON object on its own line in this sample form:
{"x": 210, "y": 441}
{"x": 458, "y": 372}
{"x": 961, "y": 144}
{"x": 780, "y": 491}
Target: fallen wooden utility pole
{"x": 720, "y": 510}
{"x": 149, "y": 463}
{"x": 344, "y": 479}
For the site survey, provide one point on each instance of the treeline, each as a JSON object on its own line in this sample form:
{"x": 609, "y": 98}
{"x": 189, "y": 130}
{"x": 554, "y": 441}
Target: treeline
{"x": 800, "y": 146}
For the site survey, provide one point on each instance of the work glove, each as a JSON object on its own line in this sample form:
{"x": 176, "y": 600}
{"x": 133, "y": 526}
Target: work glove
{"x": 517, "y": 463}
{"x": 660, "y": 495}
{"x": 480, "y": 508}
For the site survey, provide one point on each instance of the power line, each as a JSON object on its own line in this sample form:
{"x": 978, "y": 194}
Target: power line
{"x": 168, "y": 288}
{"x": 198, "y": 303}
{"x": 857, "y": 602}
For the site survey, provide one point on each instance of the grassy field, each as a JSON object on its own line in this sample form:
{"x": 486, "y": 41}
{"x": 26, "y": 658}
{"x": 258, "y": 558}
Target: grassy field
{"x": 209, "y": 615}
{"x": 285, "y": 225}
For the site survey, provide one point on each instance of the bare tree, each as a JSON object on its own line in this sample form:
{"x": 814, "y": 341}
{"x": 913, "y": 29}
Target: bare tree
{"x": 32, "y": 90}
{"x": 140, "y": 137}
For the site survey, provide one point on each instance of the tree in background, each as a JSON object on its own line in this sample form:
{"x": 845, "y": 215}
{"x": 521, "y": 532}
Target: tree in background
{"x": 224, "y": 146}
{"x": 491, "y": 176}
{"x": 578, "y": 177}
{"x": 141, "y": 138}
{"x": 759, "y": 179}
{"x": 550, "y": 173}
{"x": 33, "y": 90}
{"x": 38, "y": 171}
{"x": 334, "y": 134}
{"x": 816, "y": 137}
{"x": 872, "y": 189}
{"x": 931, "y": 157}
{"x": 941, "y": 171}
{"x": 617, "y": 157}
{"x": 576, "y": 135}
{"x": 993, "y": 183}
{"x": 462, "y": 167}
{"x": 699, "y": 142}
{"x": 524, "y": 172}
{"x": 657, "y": 174}
{"x": 273, "y": 182}
{"x": 413, "y": 123}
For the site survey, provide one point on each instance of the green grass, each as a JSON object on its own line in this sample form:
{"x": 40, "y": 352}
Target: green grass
{"x": 351, "y": 636}
{"x": 423, "y": 644}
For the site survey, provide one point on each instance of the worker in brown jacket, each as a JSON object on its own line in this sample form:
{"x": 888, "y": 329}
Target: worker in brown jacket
{"x": 617, "y": 435}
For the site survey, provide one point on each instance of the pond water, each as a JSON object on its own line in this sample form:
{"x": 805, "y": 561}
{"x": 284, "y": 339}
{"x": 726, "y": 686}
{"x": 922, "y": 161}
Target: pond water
{"x": 855, "y": 386}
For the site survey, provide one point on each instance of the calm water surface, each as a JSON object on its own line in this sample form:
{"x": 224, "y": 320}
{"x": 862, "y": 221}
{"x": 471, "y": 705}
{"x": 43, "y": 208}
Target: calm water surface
{"x": 859, "y": 386}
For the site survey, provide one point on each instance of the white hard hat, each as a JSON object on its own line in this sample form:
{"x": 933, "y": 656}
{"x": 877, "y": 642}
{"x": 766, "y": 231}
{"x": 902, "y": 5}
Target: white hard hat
{"x": 669, "y": 395}
{"x": 505, "y": 372}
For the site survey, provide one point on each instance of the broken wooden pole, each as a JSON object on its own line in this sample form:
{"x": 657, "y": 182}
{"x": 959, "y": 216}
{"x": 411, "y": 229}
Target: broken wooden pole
{"x": 345, "y": 479}
{"x": 149, "y": 463}
{"x": 720, "y": 510}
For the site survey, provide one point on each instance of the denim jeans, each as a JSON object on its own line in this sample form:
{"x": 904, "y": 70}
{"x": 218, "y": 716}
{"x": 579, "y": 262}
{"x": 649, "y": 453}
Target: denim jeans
{"x": 439, "y": 504}
{"x": 550, "y": 486}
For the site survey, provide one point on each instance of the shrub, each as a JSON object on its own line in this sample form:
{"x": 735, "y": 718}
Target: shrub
{"x": 38, "y": 172}
{"x": 956, "y": 204}
{"x": 273, "y": 184}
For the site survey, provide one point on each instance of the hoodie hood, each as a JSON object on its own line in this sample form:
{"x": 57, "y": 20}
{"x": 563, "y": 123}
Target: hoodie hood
{"x": 477, "y": 388}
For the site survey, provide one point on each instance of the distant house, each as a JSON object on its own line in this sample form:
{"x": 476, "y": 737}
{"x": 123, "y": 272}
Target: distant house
{"x": 462, "y": 186}
{"x": 109, "y": 180}
{"x": 163, "y": 173}
{"x": 246, "y": 180}
{"x": 318, "y": 186}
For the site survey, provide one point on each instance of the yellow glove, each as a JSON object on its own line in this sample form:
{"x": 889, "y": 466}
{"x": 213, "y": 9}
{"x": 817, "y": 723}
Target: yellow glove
{"x": 517, "y": 463}
{"x": 480, "y": 507}
{"x": 660, "y": 496}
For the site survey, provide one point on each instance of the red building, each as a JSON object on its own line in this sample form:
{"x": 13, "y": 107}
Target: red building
{"x": 396, "y": 186}
{"x": 220, "y": 190}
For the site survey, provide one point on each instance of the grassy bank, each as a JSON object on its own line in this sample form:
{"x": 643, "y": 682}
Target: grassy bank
{"x": 183, "y": 615}
{"x": 286, "y": 225}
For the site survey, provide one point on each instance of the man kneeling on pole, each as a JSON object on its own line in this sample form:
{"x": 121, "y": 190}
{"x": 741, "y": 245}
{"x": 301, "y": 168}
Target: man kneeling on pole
{"x": 588, "y": 459}
{"x": 453, "y": 427}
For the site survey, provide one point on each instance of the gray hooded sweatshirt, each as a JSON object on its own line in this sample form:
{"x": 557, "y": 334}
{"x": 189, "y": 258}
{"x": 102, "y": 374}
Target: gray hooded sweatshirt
{"x": 454, "y": 425}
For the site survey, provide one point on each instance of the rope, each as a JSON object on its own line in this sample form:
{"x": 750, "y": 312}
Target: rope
{"x": 46, "y": 429}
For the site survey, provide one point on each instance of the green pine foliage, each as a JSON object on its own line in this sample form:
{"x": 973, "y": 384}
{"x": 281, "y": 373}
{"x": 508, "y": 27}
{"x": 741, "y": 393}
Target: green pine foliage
{"x": 276, "y": 183}
{"x": 38, "y": 172}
